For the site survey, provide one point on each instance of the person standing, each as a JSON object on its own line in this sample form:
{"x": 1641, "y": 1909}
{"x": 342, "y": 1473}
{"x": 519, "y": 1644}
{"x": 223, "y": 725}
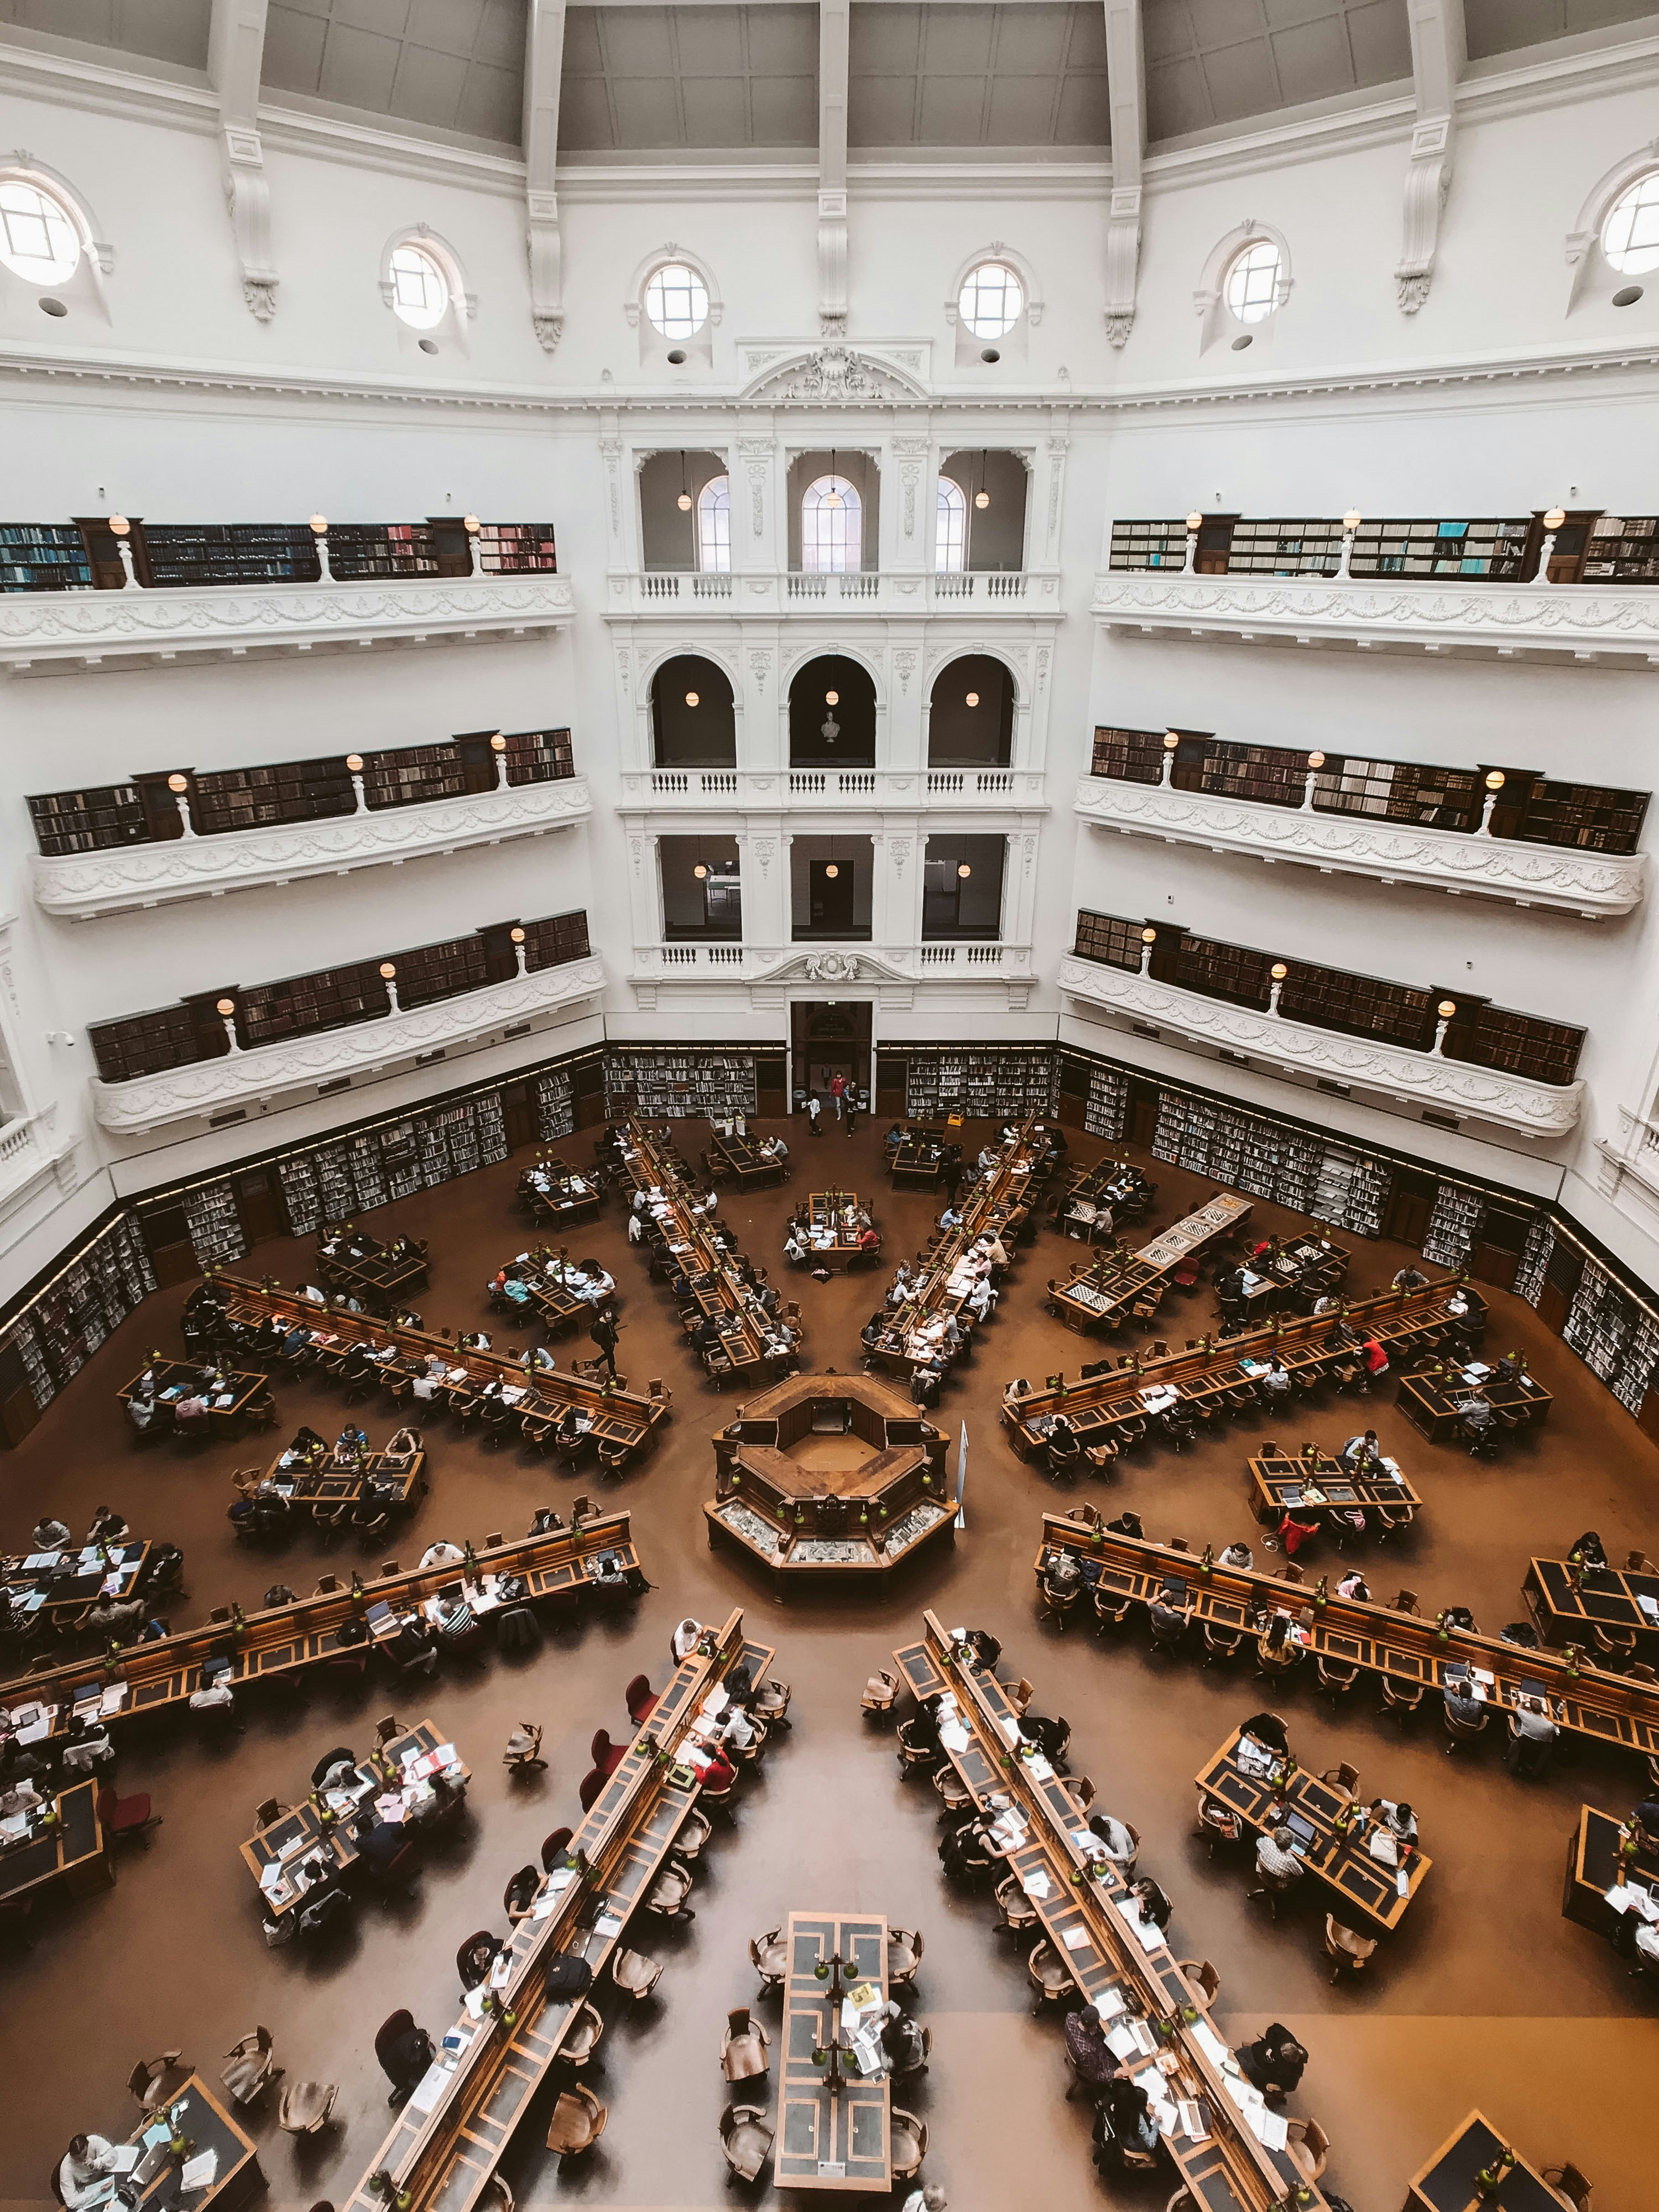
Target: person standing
{"x": 854, "y": 1101}
{"x": 602, "y": 1329}
{"x": 814, "y": 1109}
{"x": 838, "y": 1090}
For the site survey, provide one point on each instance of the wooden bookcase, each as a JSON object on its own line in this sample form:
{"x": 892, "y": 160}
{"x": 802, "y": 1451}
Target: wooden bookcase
{"x": 186, "y": 556}
{"x": 226, "y": 799}
{"x": 1106, "y": 938}
{"x": 96, "y": 820}
{"x": 43, "y": 556}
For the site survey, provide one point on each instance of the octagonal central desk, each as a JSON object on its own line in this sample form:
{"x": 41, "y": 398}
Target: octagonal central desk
{"x": 831, "y": 2135}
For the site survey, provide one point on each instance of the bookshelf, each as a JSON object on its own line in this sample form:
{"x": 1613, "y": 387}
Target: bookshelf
{"x": 555, "y": 941}
{"x": 1011, "y": 1081}
{"x": 1495, "y": 549}
{"x": 556, "y": 1106}
{"x": 144, "y": 1044}
{"x": 1635, "y": 1375}
{"x": 1601, "y": 1322}
{"x": 1149, "y": 544}
{"x": 1622, "y": 550}
{"x": 381, "y": 549}
{"x": 678, "y": 1083}
{"x": 517, "y": 548}
{"x": 43, "y": 556}
{"x": 538, "y": 755}
{"x": 228, "y": 799}
{"x": 1267, "y": 775}
{"x": 1357, "y": 1005}
{"x": 1224, "y": 971}
{"x": 1400, "y": 791}
{"x": 1270, "y": 1159}
{"x": 441, "y": 971}
{"x": 1582, "y": 815}
{"x": 1106, "y": 1111}
{"x": 299, "y": 1003}
{"x": 1129, "y": 755}
{"x": 1453, "y": 1224}
{"x": 1547, "y": 1052}
{"x": 92, "y": 821}
{"x": 1534, "y": 1262}
{"x": 183, "y": 556}
{"x": 414, "y": 775}
{"x": 1109, "y": 938}
{"x": 1285, "y": 548}
{"x": 214, "y": 1222}
{"x": 52, "y": 1336}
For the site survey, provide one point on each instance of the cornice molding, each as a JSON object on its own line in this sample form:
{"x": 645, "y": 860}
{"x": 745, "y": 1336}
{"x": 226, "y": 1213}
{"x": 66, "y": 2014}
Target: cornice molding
{"x": 1589, "y": 883}
{"x": 42, "y": 631}
{"x": 247, "y": 1079}
{"x": 1452, "y": 1086}
{"x": 1579, "y": 621}
{"x": 83, "y": 885}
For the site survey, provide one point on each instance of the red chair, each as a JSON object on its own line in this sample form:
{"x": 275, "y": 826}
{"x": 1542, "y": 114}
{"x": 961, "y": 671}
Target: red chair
{"x": 591, "y": 1786}
{"x": 555, "y": 1847}
{"x": 641, "y": 1701}
{"x": 606, "y": 1756}
{"x": 122, "y": 1817}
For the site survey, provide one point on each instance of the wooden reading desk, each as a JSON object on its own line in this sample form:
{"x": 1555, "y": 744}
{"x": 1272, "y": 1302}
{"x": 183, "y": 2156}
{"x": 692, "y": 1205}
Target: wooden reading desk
{"x": 839, "y": 2134}
{"x": 1365, "y": 1890}
{"x": 741, "y": 1160}
{"x": 917, "y": 1162}
{"x": 621, "y": 1424}
{"x": 1211, "y": 1375}
{"x": 1566, "y": 1603}
{"x": 56, "y": 1586}
{"x": 381, "y": 1275}
{"x": 376, "y": 1477}
{"x": 1611, "y": 1708}
{"x": 206, "y": 2125}
{"x": 1280, "y": 1481}
{"x": 444, "y": 2146}
{"x": 1099, "y": 1293}
{"x": 298, "y": 1840}
{"x": 833, "y": 1229}
{"x": 278, "y": 1641}
{"x": 75, "y": 1850}
{"x": 1430, "y": 1402}
{"x": 1446, "y": 2184}
{"x": 998, "y": 1205}
{"x": 1594, "y": 1869}
{"x": 228, "y": 1409}
{"x": 553, "y": 1191}
{"x": 1123, "y": 1967}
{"x": 1092, "y": 1192}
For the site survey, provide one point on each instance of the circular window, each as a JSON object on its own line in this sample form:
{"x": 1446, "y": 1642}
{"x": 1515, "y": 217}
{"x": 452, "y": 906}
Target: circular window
{"x": 38, "y": 240}
{"x": 991, "y": 300}
{"x": 1251, "y": 285}
{"x": 420, "y": 290}
{"x": 1630, "y": 236}
{"x": 677, "y": 300}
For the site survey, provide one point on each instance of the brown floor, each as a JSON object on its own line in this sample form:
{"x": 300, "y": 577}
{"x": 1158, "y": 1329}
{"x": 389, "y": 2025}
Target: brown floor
{"x": 1487, "y": 1997}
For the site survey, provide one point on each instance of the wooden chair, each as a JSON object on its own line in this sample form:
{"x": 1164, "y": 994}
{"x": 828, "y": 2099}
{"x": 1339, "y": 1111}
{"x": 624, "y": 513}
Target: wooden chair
{"x": 1218, "y": 1823}
{"x": 581, "y": 2037}
{"x": 690, "y": 1836}
{"x": 955, "y": 1795}
{"x": 251, "y": 2070}
{"x": 1080, "y": 1789}
{"x": 327, "y": 1586}
{"x": 1204, "y": 1978}
{"x": 747, "y": 2140}
{"x": 904, "y": 1950}
{"x": 771, "y": 1704}
{"x": 1307, "y": 2146}
{"x": 1111, "y": 1606}
{"x": 1343, "y": 1777}
{"x": 156, "y": 2081}
{"x": 1348, "y": 1951}
{"x": 1221, "y": 1642}
{"x": 1019, "y": 1695}
{"x": 578, "y": 2122}
{"x": 1401, "y": 1698}
{"x": 768, "y": 1955}
{"x": 879, "y": 1693}
{"x": 524, "y": 1748}
{"x": 1272, "y": 1886}
{"x": 1018, "y": 1914}
{"x": 1407, "y": 1602}
{"x": 912, "y": 1754}
{"x": 1336, "y": 1677}
{"x": 1057, "y": 1604}
{"x": 668, "y": 1892}
{"x": 1637, "y": 1563}
{"x": 745, "y": 2046}
{"x": 306, "y": 2107}
{"x": 908, "y": 2141}
{"x": 1049, "y": 1976}
{"x": 1571, "y": 2184}
{"x": 634, "y": 1974}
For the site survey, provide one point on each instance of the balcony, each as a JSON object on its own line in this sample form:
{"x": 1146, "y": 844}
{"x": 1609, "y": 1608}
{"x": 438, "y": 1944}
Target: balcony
{"x": 81, "y": 885}
{"x": 770, "y": 791}
{"x": 44, "y": 633}
{"x": 246, "y": 1079}
{"x": 1583, "y": 623}
{"x": 979, "y": 592}
{"x": 1422, "y": 1079}
{"x": 1569, "y": 879}
{"x": 997, "y": 973}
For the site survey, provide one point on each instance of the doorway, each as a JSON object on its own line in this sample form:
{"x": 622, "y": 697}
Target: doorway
{"x": 827, "y": 1038}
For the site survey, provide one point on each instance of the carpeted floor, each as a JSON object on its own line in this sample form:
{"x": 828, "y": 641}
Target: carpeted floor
{"x": 1487, "y": 1997}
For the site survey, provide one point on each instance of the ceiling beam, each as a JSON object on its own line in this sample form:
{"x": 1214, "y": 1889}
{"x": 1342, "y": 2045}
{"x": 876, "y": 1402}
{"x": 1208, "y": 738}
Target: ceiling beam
{"x": 544, "y": 68}
{"x": 1439, "y": 56}
{"x": 1125, "y": 90}
{"x": 835, "y": 18}
{"x": 236, "y": 48}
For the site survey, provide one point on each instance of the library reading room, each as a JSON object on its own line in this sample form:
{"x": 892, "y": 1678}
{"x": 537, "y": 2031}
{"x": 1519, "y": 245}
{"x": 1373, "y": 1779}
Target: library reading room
{"x": 946, "y": 699}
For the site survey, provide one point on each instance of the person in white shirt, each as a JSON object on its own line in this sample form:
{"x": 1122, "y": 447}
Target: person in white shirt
{"x": 683, "y": 1641}
{"x": 930, "y": 2199}
{"x": 50, "y": 1535}
{"x": 981, "y": 1298}
{"x": 86, "y": 2165}
{"x": 443, "y": 1554}
{"x": 1238, "y": 1555}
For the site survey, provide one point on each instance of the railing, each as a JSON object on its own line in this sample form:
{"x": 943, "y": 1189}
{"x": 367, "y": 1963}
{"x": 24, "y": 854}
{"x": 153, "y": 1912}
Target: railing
{"x": 984, "y": 782}
{"x": 116, "y": 553}
{"x": 1583, "y": 546}
{"x": 752, "y": 963}
{"x": 874, "y": 590}
{"x": 766, "y": 789}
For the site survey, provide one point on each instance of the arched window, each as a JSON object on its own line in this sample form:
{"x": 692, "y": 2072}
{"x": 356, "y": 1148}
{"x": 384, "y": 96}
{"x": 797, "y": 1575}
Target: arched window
{"x": 39, "y": 241}
{"x": 831, "y": 527}
{"x": 950, "y": 543}
{"x": 676, "y": 300}
{"x": 1251, "y": 286}
{"x": 420, "y": 290}
{"x": 1630, "y": 236}
{"x": 714, "y": 526}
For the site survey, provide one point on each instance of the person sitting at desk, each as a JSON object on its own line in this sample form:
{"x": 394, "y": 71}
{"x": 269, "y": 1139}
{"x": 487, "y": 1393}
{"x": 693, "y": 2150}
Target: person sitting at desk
{"x": 982, "y": 1299}
{"x": 1061, "y": 1575}
{"x": 84, "y": 2170}
{"x": 1275, "y": 1859}
{"x": 1268, "y": 1731}
{"x": 1126, "y": 2134}
{"x": 950, "y": 1219}
{"x": 1361, "y": 1453}
{"x": 1063, "y": 1448}
{"x": 1292, "y": 1534}
{"x": 1398, "y": 1819}
{"x": 1238, "y": 1555}
{"x": 116, "y": 1618}
{"x": 1274, "y": 2063}
{"x": 1169, "y": 1621}
{"x": 190, "y": 1413}
{"x": 443, "y": 1554}
{"x": 50, "y": 1535}
{"x": 1324, "y": 1303}
{"x": 927, "y": 1379}
{"x": 1588, "y": 1551}
{"x": 311, "y": 1292}
{"x": 901, "y": 2039}
{"x": 141, "y": 1408}
{"x": 1127, "y": 1523}
{"x": 1114, "y": 1839}
{"x": 1354, "y": 1585}
{"x": 1049, "y": 1737}
{"x": 794, "y": 1246}
{"x": 351, "y": 1443}
{"x": 108, "y": 1527}
{"x": 538, "y": 1360}
{"x": 1464, "y": 1706}
{"x": 1273, "y": 1386}
{"x": 1408, "y": 1278}
{"x": 1090, "y": 2060}
{"x": 1153, "y": 1908}
{"x": 1532, "y": 1736}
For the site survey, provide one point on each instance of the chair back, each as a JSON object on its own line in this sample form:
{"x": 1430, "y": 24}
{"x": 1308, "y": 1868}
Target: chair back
{"x": 591, "y": 1786}
{"x": 1570, "y": 2183}
{"x": 638, "y": 1697}
{"x": 554, "y": 1848}
{"x": 391, "y": 2031}
{"x": 736, "y": 2022}
{"x": 387, "y": 1727}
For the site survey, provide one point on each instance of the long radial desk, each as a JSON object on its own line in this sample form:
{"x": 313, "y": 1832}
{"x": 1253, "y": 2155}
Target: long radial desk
{"x": 1100, "y": 1292}
{"x": 279, "y": 1640}
{"x": 997, "y": 1205}
{"x": 1401, "y": 1320}
{"x": 1227, "y": 2167}
{"x": 1406, "y": 1649}
{"x": 623, "y": 1424}
{"x": 753, "y": 1343}
{"x": 446, "y": 2140}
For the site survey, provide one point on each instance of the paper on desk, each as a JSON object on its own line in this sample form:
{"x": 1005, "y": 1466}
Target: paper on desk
{"x": 607, "y": 1924}
{"x": 271, "y": 1874}
{"x": 431, "y": 2087}
{"x": 1151, "y": 1935}
{"x": 1109, "y": 2002}
{"x": 1209, "y": 2042}
{"x": 1270, "y": 2128}
{"x": 1624, "y": 1897}
{"x": 953, "y": 1735}
{"x": 1010, "y": 1726}
{"x": 1074, "y": 1939}
{"x": 1039, "y": 1769}
{"x": 1122, "y": 2042}
{"x": 1037, "y": 1885}
{"x": 124, "y": 2156}
{"x": 35, "y": 1731}
{"x": 113, "y": 1697}
{"x": 200, "y": 2172}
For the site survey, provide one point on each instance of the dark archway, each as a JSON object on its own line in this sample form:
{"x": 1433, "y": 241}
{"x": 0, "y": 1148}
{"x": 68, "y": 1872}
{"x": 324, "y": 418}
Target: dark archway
{"x": 970, "y": 715}
{"x": 832, "y": 715}
{"x": 693, "y": 720}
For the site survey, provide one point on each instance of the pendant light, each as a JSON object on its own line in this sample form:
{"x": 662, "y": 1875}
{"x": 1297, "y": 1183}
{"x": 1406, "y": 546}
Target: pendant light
{"x": 982, "y": 497}
{"x": 684, "y": 502}
{"x": 834, "y": 496}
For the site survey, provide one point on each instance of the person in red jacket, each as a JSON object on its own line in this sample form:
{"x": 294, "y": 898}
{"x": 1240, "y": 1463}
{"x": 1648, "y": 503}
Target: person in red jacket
{"x": 838, "y": 1092}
